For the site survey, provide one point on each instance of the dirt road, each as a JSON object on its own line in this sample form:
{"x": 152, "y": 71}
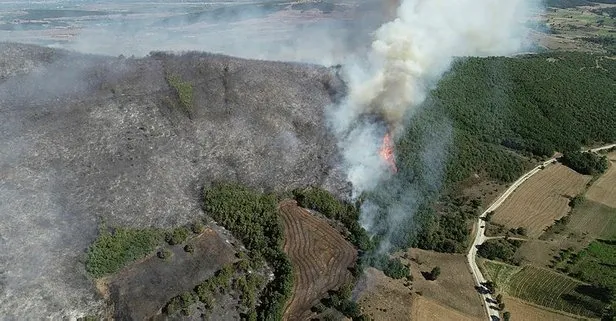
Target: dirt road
{"x": 480, "y": 235}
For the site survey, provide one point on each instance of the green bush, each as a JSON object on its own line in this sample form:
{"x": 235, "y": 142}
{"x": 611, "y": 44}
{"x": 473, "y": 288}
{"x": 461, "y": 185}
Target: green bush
{"x": 165, "y": 254}
{"x": 177, "y": 236}
{"x": 189, "y": 248}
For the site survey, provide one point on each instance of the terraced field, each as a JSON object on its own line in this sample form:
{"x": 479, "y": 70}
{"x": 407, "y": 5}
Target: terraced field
{"x": 543, "y": 287}
{"x": 320, "y": 258}
{"x": 540, "y": 200}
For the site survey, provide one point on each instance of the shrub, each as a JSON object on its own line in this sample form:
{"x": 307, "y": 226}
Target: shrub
{"x": 436, "y": 271}
{"x": 177, "y": 236}
{"x": 197, "y": 227}
{"x": 189, "y": 248}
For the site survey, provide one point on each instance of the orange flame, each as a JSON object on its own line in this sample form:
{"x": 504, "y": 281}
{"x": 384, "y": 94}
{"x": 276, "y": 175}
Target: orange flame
{"x": 387, "y": 152}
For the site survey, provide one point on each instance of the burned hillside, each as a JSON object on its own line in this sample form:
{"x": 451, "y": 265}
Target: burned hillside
{"x": 131, "y": 142}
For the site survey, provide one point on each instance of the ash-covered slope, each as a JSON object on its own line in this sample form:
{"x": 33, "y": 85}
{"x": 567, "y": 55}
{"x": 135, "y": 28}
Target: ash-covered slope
{"x": 85, "y": 138}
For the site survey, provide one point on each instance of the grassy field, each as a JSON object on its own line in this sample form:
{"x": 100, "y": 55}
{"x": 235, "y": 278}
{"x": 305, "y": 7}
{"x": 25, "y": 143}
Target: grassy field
{"x": 540, "y": 200}
{"x": 594, "y": 219}
{"x": 543, "y": 287}
{"x": 604, "y": 189}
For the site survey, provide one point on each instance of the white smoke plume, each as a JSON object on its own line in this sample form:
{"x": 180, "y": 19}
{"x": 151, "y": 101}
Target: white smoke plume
{"x": 407, "y": 57}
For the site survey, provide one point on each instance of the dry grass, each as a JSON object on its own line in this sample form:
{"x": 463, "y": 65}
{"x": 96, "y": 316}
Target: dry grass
{"x": 320, "y": 257}
{"x": 540, "y": 200}
{"x": 454, "y": 288}
{"x": 594, "y": 219}
{"x": 425, "y": 309}
{"x": 604, "y": 189}
{"x": 522, "y": 310}
{"x": 384, "y": 298}
{"x": 541, "y": 252}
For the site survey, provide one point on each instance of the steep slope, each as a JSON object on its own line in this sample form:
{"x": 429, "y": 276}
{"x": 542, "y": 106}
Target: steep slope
{"x": 86, "y": 138}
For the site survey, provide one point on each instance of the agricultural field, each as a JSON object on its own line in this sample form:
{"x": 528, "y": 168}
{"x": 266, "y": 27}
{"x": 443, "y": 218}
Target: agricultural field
{"x": 596, "y": 264}
{"x": 577, "y": 28}
{"x": 424, "y": 309}
{"x": 320, "y": 257}
{"x": 521, "y": 310}
{"x": 454, "y": 288}
{"x": 541, "y": 200}
{"x": 383, "y": 298}
{"x": 604, "y": 189}
{"x": 542, "y": 252}
{"x": 593, "y": 219}
{"x": 544, "y": 287}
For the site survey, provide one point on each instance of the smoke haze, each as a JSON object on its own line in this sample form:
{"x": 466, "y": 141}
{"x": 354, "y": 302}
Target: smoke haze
{"x": 407, "y": 57}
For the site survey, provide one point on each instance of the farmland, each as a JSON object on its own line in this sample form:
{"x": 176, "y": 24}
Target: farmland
{"x": 541, "y": 199}
{"x": 384, "y": 298}
{"x": 454, "y": 288}
{"x": 425, "y": 309}
{"x": 594, "y": 219}
{"x": 521, "y": 310}
{"x": 320, "y": 257}
{"x": 595, "y": 264}
{"x": 544, "y": 287}
{"x": 604, "y": 189}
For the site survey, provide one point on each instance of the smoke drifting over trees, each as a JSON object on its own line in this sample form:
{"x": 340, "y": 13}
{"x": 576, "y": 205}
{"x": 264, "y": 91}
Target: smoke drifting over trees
{"x": 406, "y": 59}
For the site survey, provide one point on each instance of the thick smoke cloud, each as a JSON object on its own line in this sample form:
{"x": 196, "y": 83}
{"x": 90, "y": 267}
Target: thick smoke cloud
{"x": 406, "y": 59}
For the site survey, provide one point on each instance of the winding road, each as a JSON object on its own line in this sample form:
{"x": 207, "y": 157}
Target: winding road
{"x": 480, "y": 235}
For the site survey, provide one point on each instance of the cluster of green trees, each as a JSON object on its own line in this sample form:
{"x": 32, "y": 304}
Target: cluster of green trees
{"x": 586, "y": 163}
{"x": 229, "y": 277}
{"x": 393, "y": 268}
{"x": 499, "y": 249}
{"x": 347, "y": 213}
{"x": 252, "y": 218}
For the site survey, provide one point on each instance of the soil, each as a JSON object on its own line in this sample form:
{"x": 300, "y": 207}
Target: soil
{"x": 320, "y": 257}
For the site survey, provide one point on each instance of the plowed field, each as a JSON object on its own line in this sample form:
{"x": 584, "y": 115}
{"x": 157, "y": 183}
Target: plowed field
{"x": 320, "y": 257}
{"x": 541, "y": 200}
{"x": 604, "y": 189}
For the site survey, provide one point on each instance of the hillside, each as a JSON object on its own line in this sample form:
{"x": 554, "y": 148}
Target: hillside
{"x": 131, "y": 141}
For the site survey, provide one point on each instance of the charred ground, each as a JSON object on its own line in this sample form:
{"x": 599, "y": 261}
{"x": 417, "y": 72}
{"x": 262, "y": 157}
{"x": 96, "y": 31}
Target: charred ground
{"x": 88, "y": 138}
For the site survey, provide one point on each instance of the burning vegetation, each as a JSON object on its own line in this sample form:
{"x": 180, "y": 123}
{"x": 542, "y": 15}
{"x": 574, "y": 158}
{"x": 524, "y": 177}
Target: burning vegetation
{"x": 387, "y": 152}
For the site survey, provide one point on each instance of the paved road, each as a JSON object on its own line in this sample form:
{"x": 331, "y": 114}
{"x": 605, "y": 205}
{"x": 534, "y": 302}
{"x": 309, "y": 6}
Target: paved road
{"x": 480, "y": 235}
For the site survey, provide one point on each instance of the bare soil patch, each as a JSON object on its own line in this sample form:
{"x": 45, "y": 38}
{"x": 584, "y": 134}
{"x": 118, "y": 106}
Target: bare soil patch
{"x": 522, "y": 310}
{"x": 541, "y": 200}
{"x": 604, "y": 189}
{"x": 320, "y": 257}
{"x": 454, "y": 288}
{"x": 140, "y": 290}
